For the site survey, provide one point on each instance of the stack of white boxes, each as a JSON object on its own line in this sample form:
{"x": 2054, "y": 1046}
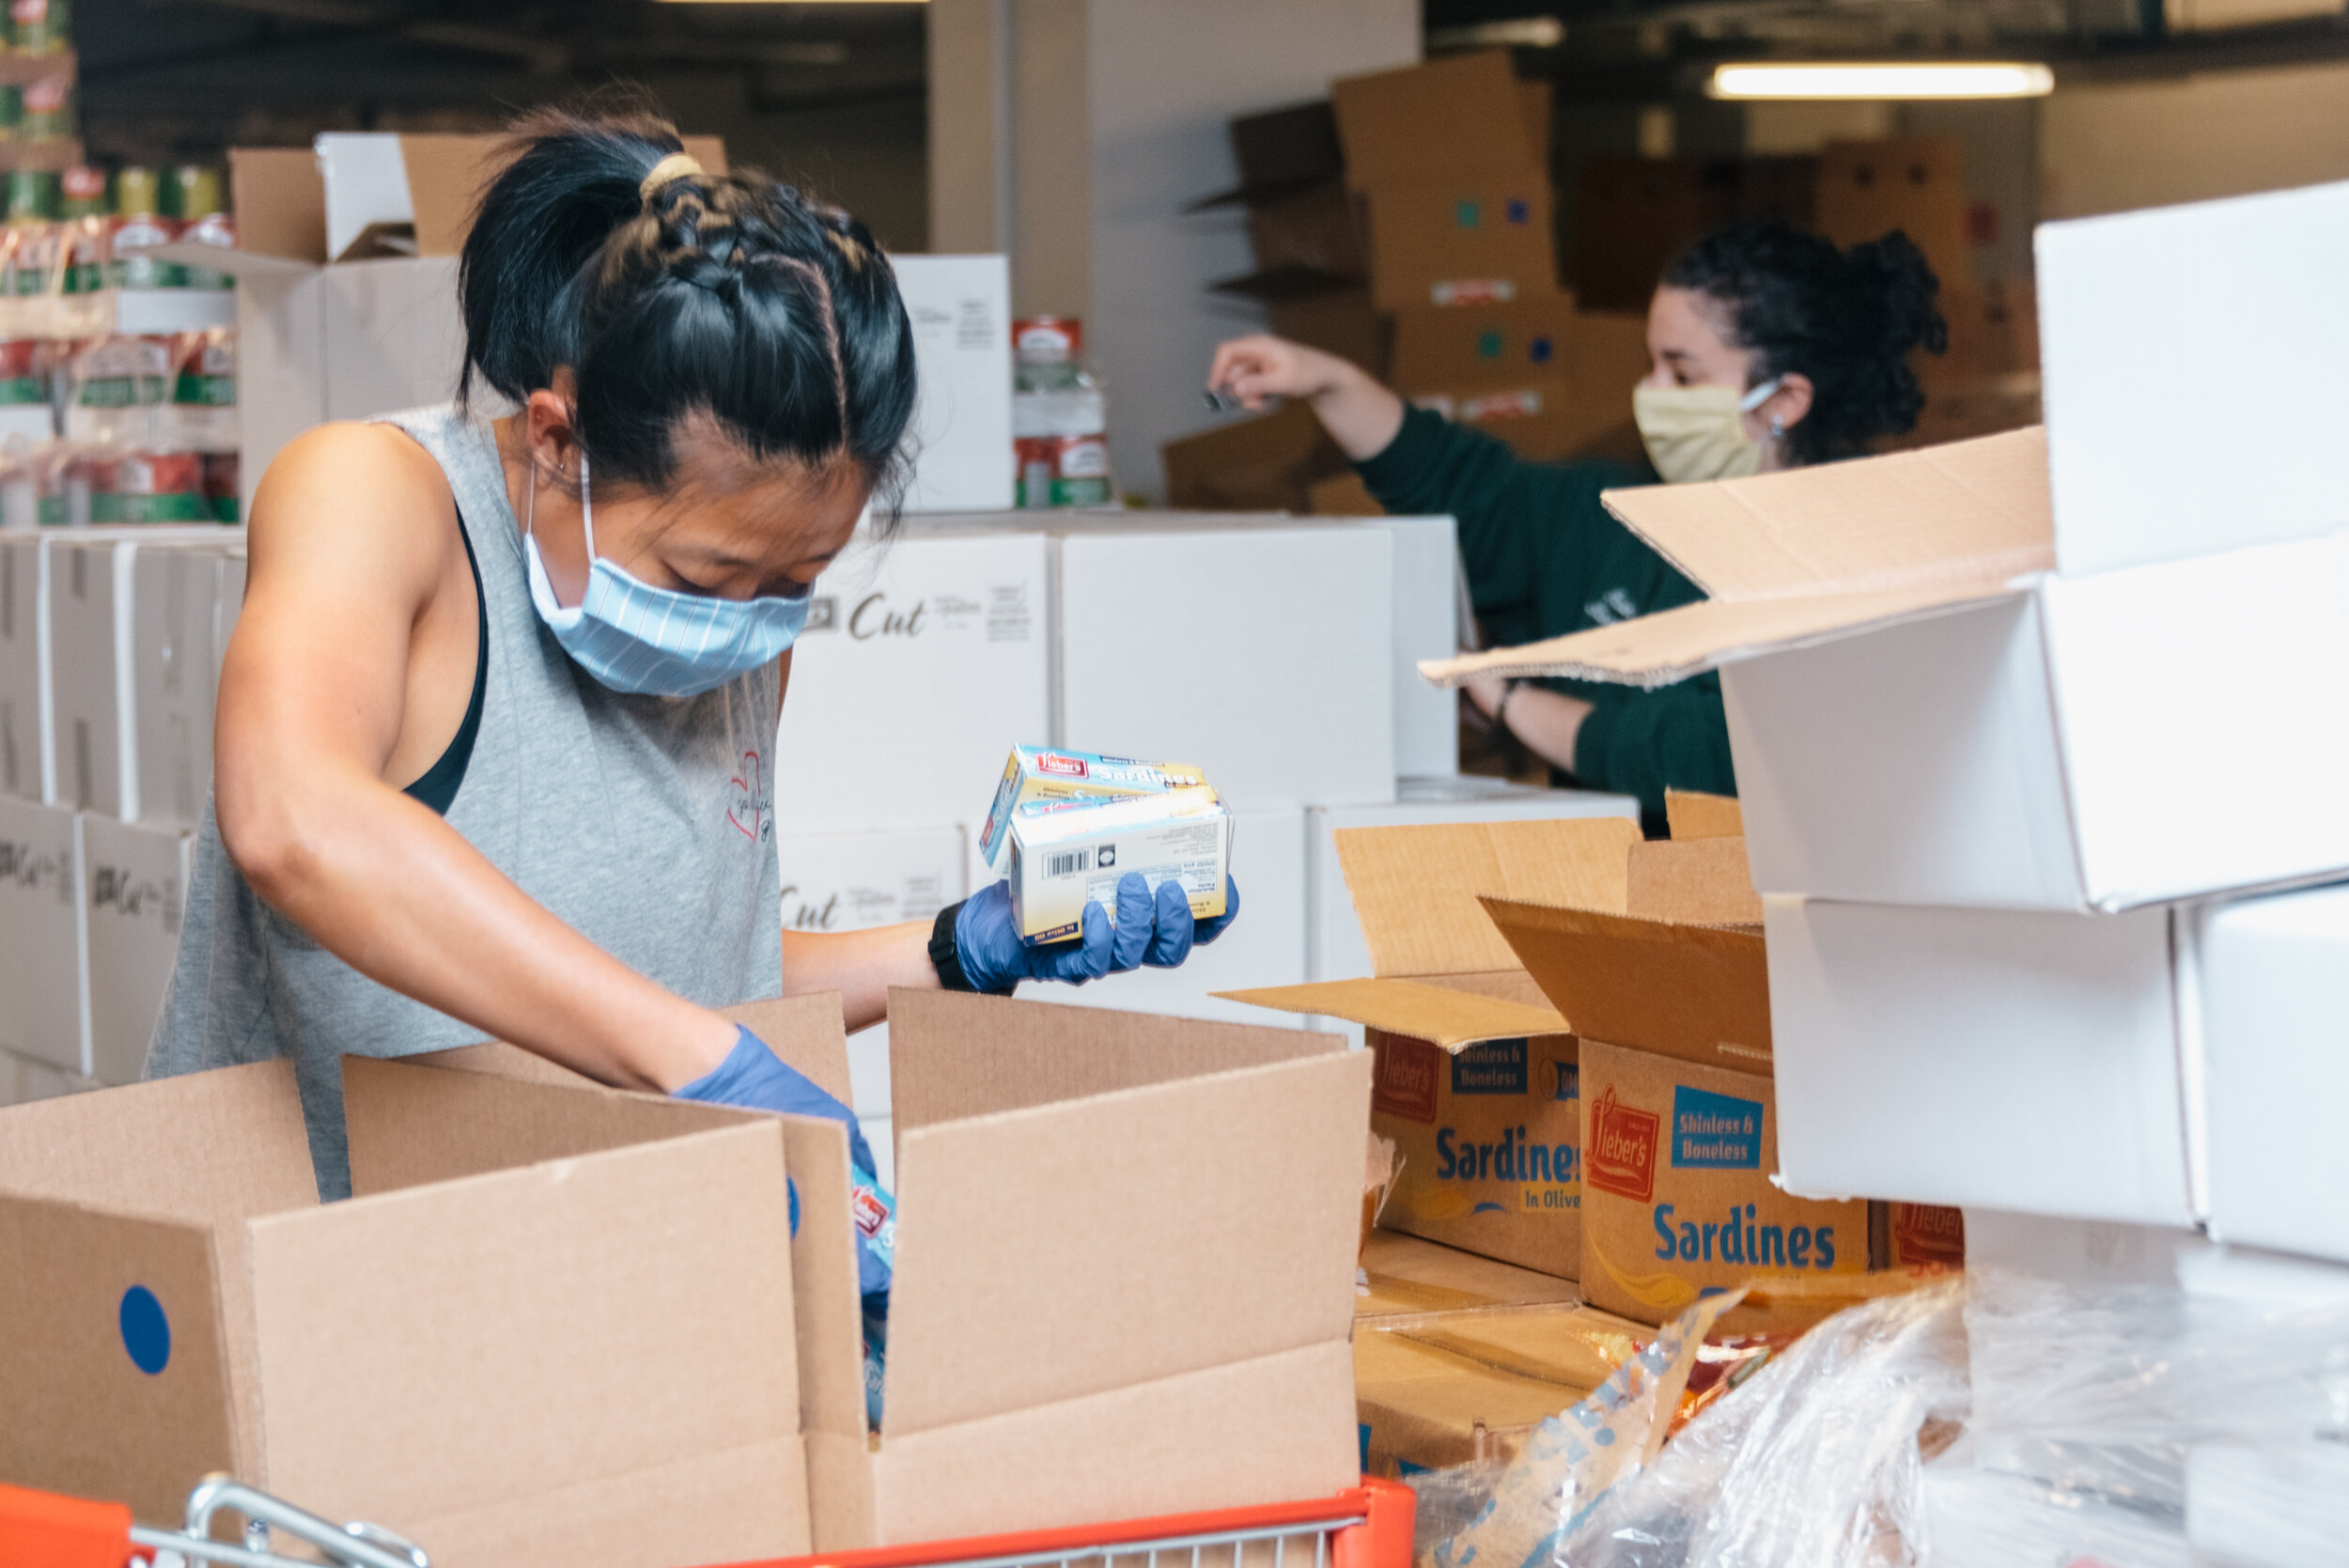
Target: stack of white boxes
{"x": 1277, "y": 653}
{"x": 2034, "y": 740}
{"x": 110, "y": 648}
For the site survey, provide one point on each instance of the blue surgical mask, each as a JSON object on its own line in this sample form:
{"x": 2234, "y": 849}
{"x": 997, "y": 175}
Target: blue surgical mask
{"x": 655, "y": 642}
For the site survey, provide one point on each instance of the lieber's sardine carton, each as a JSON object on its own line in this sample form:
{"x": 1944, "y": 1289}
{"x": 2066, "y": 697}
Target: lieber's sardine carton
{"x": 1064, "y": 854}
{"x": 1037, "y": 773}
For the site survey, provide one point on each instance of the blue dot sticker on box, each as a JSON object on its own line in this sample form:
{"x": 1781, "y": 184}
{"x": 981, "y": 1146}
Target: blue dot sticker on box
{"x": 1540, "y": 350}
{"x": 145, "y": 1331}
{"x": 1519, "y": 210}
{"x": 1468, "y": 214}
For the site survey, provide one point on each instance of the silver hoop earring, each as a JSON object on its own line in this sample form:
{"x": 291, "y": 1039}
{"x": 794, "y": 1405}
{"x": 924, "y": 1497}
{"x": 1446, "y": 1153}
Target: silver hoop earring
{"x": 1778, "y": 428}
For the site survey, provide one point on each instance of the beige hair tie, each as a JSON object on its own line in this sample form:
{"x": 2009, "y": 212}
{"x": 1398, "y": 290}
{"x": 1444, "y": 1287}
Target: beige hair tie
{"x": 677, "y": 165}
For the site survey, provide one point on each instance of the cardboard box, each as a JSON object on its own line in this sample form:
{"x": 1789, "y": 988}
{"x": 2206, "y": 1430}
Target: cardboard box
{"x": 1551, "y": 380}
{"x": 43, "y": 936}
{"x": 1633, "y": 215}
{"x": 1341, "y": 950}
{"x": 1430, "y": 589}
{"x": 923, "y": 657}
{"x": 184, "y": 604}
{"x": 1407, "y": 1277}
{"x": 1487, "y": 1137}
{"x": 1916, "y": 184}
{"x": 1291, "y": 698}
{"x": 1467, "y": 115}
{"x": 27, "y": 758}
{"x": 1994, "y": 330}
{"x": 1922, "y": 715}
{"x": 2162, "y": 1067}
{"x": 1447, "y": 1389}
{"x": 1025, "y": 1374}
{"x": 1463, "y": 240}
{"x": 1340, "y": 322}
{"x": 961, "y": 309}
{"x": 603, "y": 1253}
{"x": 135, "y": 887}
{"x": 1266, "y": 462}
{"x": 97, "y": 624}
{"x": 1437, "y": 348}
{"x": 1315, "y": 228}
{"x": 1344, "y": 495}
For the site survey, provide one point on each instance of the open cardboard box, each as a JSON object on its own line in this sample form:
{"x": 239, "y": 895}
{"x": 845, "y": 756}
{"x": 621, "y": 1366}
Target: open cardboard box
{"x": 1125, "y": 1273}
{"x": 1477, "y": 1073}
{"x": 1955, "y": 676}
{"x": 555, "y": 1328}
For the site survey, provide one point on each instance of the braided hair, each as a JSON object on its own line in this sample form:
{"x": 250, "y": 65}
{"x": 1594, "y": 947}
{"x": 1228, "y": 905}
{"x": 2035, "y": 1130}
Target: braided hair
{"x": 669, "y": 292}
{"x": 1846, "y": 319}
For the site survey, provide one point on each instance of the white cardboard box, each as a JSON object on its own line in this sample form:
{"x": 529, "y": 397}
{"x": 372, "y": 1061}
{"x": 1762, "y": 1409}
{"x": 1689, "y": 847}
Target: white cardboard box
{"x": 180, "y": 625}
{"x": 134, "y": 893}
{"x": 926, "y": 659}
{"x": 96, "y": 623}
{"x": 961, "y": 310}
{"x": 1263, "y": 654}
{"x": 2274, "y": 1067}
{"x": 43, "y": 936}
{"x": 856, "y": 881}
{"x": 26, "y": 771}
{"x": 1990, "y": 1059}
{"x": 1338, "y": 951}
{"x": 1955, "y": 676}
{"x": 1264, "y": 946}
{"x": 1426, "y": 626}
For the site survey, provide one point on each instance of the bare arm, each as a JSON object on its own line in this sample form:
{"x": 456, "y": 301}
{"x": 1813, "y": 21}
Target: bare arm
{"x": 1549, "y": 722}
{"x": 314, "y": 694}
{"x": 1361, "y": 415}
{"x": 861, "y": 966}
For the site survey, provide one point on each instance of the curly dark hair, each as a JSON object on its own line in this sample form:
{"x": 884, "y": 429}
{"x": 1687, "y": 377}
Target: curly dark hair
{"x": 1846, "y": 319}
{"x": 725, "y": 295}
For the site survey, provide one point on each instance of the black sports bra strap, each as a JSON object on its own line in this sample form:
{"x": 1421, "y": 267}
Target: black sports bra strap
{"x": 438, "y": 787}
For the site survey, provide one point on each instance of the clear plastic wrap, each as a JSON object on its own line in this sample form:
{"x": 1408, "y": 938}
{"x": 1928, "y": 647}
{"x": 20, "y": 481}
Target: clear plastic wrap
{"x": 1816, "y": 1462}
{"x": 1976, "y": 1518}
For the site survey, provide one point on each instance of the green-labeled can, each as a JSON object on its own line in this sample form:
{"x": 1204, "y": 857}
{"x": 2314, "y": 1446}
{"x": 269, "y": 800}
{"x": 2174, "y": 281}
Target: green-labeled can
{"x": 41, "y": 27}
{"x": 48, "y": 110}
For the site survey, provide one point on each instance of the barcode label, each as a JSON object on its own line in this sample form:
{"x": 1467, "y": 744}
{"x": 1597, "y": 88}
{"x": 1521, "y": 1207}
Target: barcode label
{"x": 1069, "y": 864}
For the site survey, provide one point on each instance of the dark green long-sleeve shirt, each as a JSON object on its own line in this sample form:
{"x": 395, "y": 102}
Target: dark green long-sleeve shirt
{"x": 1544, "y": 558}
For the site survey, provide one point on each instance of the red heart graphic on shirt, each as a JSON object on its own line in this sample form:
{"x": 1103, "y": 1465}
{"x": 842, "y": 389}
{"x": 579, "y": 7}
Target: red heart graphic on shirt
{"x": 749, "y": 799}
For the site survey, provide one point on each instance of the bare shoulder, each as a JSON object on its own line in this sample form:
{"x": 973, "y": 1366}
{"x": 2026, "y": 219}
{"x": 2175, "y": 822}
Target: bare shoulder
{"x": 362, "y": 500}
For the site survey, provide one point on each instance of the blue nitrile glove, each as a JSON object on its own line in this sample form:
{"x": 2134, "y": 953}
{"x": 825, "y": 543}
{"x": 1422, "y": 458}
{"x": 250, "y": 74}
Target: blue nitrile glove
{"x": 753, "y": 1078}
{"x": 1156, "y": 930}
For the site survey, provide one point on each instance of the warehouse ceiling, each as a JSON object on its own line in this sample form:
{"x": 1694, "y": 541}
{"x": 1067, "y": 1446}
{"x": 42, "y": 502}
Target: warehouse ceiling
{"x": 164, "y": 79}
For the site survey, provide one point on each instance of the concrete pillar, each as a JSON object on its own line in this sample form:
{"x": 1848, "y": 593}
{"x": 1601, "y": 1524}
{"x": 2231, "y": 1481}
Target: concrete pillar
{"x": 1072, "y": 132}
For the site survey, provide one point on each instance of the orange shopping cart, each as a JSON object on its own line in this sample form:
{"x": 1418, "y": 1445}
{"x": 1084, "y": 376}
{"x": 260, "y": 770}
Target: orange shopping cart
{"x": 1367, "y": 1526}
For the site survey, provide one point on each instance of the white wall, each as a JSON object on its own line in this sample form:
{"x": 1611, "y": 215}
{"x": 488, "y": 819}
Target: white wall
{"x": 1074, "y": 130}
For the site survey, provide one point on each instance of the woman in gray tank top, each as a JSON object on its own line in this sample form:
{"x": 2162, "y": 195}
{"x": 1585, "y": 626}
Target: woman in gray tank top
{"x": 496, "y": 743}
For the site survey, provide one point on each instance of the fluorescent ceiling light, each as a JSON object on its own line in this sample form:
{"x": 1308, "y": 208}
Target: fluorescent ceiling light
{"x": 1891, "y": 79}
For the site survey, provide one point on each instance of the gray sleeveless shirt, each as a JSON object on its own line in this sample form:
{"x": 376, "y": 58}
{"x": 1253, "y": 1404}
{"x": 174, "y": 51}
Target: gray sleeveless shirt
{"x": 645, "y": 823}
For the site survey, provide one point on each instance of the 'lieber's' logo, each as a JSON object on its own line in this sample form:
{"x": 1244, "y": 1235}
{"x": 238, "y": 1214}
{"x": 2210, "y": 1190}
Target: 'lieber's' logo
{"x": 1405, "y": 1079}
{"x": 1622, "y": 1157}
{"x": 1067, "y": 768}
{"x": 1929, "y": 1233}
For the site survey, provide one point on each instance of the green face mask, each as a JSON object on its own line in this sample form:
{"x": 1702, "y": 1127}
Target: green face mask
{"x": 1695, "y": 433}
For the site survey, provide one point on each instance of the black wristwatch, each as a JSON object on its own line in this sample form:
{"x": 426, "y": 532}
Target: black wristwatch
{"x": 945, "y": 958}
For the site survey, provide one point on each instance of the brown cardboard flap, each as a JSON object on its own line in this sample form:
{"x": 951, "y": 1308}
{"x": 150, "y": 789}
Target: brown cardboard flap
{"x": 446, "y": 1350}
{"x": 1692, "y": 813}
{"x": 280, "y": 202}
{"x": 749, "y": 1503}
{"x": 410, "y": 1126}
{"x": 840, "y": 1490}
{"x": 1672, "y": 644}
{"x": 1974, "y": 513}
{"x": 1698, "y": 992}
{"x": 447, "y": 174}
{"x": 1269, "y": 1430}
{"x": 806, "y": 1033}
{"x": 1445, "y": 1017}
{"x": 82, "y": 1418}
{"x": 1415, "y": 889}
{"x": 827, "y": 1308}
{"x": 1069, "y": 1249}
{"x": 952, "y": 1054}
{"x": 1437, "y": 121}
{"x": 1702, "y": 881}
